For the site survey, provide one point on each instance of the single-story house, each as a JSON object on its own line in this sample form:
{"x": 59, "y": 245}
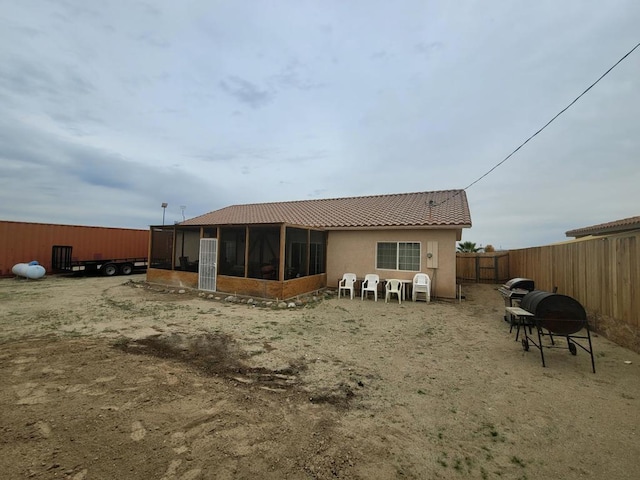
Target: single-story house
{"x": 285, "y": 249}
{"x": 617, "y": 226}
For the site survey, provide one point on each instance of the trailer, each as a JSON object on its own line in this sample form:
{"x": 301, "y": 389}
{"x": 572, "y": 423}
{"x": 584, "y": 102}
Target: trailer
{"x": 25, "y": 242}
{"x": 62, "y": 260}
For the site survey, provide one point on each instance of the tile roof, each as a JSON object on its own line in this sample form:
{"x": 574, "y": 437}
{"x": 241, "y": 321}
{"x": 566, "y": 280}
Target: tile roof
{"x": 631, "y": 223}
{"x": 449, "y": 208}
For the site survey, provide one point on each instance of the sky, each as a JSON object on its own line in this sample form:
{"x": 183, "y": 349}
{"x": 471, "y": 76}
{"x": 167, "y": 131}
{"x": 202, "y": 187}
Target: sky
{"x": 110, "y": 108}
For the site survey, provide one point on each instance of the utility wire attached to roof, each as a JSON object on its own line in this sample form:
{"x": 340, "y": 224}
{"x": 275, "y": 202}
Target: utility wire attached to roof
{"x": 544, "y": 126}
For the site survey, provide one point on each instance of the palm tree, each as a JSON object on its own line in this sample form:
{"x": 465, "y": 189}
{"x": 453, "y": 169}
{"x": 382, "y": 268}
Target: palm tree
{"x": 468, "y": 247}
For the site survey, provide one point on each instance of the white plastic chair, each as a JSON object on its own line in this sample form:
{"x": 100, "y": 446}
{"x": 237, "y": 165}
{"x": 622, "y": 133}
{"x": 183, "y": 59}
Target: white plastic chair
{"x": 347, "y": 283}
{"x": 421, "y": 284}
{"x": 393, "y": 287}
{"x": 370, "y": 284}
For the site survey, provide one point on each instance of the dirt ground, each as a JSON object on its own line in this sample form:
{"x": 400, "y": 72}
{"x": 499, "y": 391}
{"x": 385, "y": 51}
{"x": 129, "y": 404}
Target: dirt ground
{"x": 106, "y": 378}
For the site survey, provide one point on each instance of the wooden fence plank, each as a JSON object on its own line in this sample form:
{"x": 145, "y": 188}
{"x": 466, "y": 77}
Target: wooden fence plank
{"x": 602, "y": 273}
{"x": 491, "y": 267}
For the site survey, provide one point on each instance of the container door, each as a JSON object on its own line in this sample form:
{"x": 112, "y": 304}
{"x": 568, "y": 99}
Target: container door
{"x": 207, "y": 266}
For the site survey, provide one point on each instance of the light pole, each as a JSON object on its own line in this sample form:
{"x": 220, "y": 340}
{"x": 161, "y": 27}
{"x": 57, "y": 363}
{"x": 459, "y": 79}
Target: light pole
{"x": 164, "y": 209}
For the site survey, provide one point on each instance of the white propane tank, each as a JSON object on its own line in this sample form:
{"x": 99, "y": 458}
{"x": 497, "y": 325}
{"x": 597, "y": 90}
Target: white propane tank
{"x": 30, "y": 270}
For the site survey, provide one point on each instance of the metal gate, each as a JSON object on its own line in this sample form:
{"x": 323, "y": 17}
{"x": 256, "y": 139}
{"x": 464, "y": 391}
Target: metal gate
{"x": 207, "y": 266}
{"x": 61, "y": 257}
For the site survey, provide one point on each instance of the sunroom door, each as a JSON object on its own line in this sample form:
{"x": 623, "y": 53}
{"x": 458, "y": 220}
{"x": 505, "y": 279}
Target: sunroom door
{"x": 207, "y": 266}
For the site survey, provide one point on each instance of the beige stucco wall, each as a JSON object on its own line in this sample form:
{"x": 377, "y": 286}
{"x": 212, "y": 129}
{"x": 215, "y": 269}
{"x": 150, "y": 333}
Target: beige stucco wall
{"x": 355, "y": 252}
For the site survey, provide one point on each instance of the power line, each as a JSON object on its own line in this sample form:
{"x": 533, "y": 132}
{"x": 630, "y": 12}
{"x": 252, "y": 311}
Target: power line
{"x": 545, "y": 125}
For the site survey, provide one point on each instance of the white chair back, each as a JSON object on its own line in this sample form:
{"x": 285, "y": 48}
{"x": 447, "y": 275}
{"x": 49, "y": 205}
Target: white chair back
{"x": 347, "y": 283}
{"x": 421, "y": 284}
{"x": 393, "y": 287}
{"x": 370, "y": 284}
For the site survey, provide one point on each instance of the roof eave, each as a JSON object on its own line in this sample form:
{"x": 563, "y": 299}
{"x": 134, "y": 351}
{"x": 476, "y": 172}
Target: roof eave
{"x": 602, "y": 231}
{"x": 400, "y": 227}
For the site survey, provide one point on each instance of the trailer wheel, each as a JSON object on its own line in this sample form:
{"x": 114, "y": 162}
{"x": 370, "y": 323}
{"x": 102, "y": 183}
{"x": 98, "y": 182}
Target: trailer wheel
{"x": 109, "y": 270}
{"x": 126, "y": 269}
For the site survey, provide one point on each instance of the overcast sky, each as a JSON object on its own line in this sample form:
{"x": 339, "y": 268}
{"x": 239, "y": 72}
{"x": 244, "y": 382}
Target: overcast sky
{"x": 109, "y": 108}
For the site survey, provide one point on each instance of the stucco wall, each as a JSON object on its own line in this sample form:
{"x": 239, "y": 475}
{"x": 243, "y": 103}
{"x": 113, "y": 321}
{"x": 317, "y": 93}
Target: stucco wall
{"x": 355, "y": 252}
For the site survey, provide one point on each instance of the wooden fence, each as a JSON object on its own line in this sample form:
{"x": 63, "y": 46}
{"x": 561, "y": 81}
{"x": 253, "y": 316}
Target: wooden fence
{"x": 482, "y": 267}
{"x": 602, "y": 273}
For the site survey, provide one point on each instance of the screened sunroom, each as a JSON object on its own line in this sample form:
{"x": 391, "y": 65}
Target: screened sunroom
{"x": 266, "y": 261}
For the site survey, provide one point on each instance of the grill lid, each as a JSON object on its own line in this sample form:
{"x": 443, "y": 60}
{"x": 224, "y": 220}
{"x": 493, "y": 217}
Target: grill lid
{"x": 557, "y": 313}
{"x": 520, "y": 283}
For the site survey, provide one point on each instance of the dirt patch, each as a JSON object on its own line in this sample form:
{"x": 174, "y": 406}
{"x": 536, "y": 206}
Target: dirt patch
{"x": 106, "y": 380}
{"x": 219, "y": 355}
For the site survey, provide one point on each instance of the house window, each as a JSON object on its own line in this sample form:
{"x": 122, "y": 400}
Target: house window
{"x": 398, "y": 256}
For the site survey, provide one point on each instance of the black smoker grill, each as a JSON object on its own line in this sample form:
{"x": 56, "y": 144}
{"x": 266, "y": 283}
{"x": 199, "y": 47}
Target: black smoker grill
{"x": 513, "y": 291}
{"x": 556, "y": 315}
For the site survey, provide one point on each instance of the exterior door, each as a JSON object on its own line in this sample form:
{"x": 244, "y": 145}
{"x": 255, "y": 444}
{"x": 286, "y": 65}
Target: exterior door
{"x": 207, "y": 266}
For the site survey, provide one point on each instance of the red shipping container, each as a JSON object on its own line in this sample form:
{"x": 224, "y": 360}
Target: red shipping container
{"x": 23, "y": 242}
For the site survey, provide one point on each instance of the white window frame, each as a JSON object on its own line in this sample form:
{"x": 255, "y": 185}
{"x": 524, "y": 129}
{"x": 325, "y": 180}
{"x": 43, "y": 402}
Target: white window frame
{"x": 398, "y": 242}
